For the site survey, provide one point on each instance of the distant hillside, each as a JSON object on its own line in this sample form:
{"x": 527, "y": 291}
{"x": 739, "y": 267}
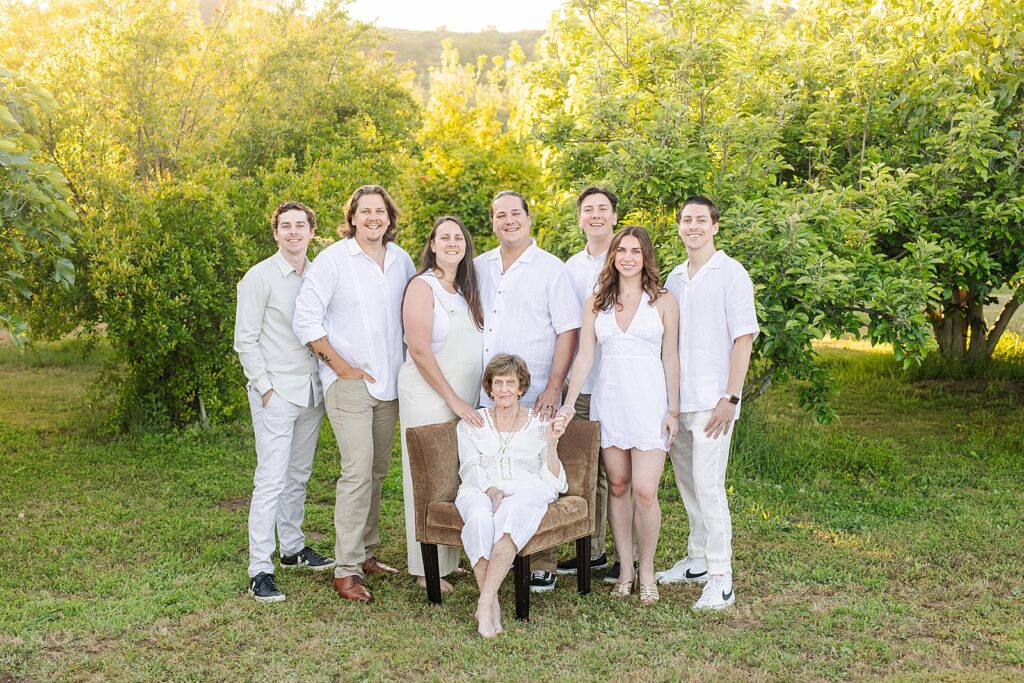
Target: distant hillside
{"x": 423, "y": 48}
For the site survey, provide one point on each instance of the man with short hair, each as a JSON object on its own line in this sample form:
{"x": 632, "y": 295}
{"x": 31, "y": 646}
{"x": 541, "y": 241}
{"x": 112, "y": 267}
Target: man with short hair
{"x": 717, "y": 327}
{"x": 285, "y": 400}
{"x": 596, "y": 211}
{"x": 531, "y": 310}
{"x": 349, "y": 313}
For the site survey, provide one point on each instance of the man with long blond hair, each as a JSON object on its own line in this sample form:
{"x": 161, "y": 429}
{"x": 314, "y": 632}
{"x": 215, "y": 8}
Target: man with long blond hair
{"x": 349, "y": 313}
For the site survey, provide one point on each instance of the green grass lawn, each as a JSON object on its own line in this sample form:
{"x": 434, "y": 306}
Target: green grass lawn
{"x": 886, "y": 545}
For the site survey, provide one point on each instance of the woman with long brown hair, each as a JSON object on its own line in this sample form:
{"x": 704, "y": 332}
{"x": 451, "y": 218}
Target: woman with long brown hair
{"x": 440, "y": 379}
{"x": 636, "y": 396}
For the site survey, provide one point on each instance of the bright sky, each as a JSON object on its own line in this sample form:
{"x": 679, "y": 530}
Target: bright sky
{"x": 456, "y": 15}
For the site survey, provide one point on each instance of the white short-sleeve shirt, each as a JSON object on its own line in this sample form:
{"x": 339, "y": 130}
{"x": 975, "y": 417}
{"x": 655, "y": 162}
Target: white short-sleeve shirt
{"x": 347, "y": 298}
{"x": 715, "y": 308}
{"x": 584, "y": 270}
{"x": 525, "y": 309}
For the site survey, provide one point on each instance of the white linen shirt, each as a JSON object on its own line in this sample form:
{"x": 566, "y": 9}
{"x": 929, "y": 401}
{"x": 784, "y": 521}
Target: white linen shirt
{"x": 347, "y": 298}
{"x": 271, "y": 356}
{"x": 525, "y": 309}
{"x": 715, "y": 308}
{"x": 584, "y": 270}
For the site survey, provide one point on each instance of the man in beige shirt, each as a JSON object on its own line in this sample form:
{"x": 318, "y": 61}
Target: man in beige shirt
{"x": 286, "y": 401}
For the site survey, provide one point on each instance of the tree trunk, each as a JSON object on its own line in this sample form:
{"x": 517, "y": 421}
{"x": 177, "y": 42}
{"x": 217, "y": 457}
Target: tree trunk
{"x": 961, "y": 331}
{"x": 950, "y": 326}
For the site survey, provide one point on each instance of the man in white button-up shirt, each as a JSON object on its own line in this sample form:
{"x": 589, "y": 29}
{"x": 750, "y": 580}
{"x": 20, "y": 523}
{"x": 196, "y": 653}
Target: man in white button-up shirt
{"x": 349, "y": 312}
{"x": 596, "y": 212}
{"x": 531, "y": 310}
{"x": 717, "y": 327}
{"x": 285, "y": 399}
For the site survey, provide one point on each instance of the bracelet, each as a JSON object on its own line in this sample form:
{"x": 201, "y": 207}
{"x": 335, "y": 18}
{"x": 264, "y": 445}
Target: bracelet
{"x": 674, "y": 413}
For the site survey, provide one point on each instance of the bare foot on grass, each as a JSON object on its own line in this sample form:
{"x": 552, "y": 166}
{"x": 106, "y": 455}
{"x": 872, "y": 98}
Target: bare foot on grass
{"x": 485, "y": 621}
{"x": 496, "y": 617}
{"x": 446, "y": 587}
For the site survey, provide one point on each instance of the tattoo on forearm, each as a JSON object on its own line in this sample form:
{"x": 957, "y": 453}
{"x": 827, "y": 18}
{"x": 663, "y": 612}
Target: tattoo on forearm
{"x": 319, "y": 354}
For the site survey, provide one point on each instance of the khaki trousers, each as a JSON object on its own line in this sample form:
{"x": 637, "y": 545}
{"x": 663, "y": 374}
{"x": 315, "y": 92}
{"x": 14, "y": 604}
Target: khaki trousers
{"x": 365, "y": 429}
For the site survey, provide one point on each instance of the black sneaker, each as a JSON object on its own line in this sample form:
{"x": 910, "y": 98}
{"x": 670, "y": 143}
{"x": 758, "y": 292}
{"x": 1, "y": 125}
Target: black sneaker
{"x": 542, "y": 582}
{"x": 569, "y": 566}
{"x": 263, "y": 588}
{"x": 308, "y": 558}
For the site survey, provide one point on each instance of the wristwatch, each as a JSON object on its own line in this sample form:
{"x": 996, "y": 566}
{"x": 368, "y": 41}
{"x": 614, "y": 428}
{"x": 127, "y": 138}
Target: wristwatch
{"x": 732, "y": 398}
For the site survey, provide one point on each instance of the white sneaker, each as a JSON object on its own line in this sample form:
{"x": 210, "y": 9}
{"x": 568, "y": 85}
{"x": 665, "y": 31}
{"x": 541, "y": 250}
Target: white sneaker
{"x": 717, "y": 594}
{"x": 685, "y": 571}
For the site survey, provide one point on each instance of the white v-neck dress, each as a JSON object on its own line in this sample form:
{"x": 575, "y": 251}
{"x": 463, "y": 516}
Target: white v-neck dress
{"x": 630, "y": 394}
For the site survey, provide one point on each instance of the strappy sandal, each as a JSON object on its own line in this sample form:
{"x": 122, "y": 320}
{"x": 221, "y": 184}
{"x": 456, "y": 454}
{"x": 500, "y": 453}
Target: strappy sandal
{"x": 622, "y": 590}
{"x": 649, "y": 593}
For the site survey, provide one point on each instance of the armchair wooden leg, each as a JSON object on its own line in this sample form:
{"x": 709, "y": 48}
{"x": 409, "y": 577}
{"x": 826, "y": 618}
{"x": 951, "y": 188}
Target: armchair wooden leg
{"x": 521, "y": 577}
{"x": 432, "y": 572}
{"x": 583, "y": 565}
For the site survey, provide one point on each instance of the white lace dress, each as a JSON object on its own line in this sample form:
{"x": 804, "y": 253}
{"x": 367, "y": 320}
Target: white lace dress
{"x": 630, "y": 393}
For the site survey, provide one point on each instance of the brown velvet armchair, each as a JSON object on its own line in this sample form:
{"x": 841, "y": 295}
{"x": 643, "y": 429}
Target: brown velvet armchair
{"x": 434, "y": 465}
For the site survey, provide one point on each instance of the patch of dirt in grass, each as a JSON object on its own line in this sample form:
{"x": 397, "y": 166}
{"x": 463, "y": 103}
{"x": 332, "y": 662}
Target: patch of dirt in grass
{"x": 978, "y": 386}
{"x": 235, "y": 504}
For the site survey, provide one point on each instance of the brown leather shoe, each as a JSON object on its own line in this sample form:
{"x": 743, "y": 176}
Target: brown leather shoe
{"x": 375, "y": 566}
{"x": 352, "y": 588}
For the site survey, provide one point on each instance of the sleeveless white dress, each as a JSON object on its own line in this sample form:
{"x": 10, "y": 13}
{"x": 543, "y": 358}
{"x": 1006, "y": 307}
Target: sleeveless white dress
{"x": 630, "y": 394}
{"x": 459, "y": 358}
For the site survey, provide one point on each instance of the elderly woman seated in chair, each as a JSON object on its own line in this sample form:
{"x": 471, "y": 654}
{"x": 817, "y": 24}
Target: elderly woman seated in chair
{"x": 510, "y": 473}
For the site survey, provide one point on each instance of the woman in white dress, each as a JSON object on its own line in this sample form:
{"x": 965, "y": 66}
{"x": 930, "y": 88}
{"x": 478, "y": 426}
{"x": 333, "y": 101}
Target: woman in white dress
{"x": 636, "y": 323}
{"x": 510, "y": 473}
{"x": 440, "y": 379}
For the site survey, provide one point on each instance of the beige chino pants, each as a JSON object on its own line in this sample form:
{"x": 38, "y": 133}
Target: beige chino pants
{"x": 365, "y": 429}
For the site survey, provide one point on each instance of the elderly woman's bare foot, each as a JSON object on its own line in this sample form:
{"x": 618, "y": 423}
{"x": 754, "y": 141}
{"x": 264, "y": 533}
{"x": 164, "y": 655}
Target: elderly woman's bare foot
{"x": 496, "y": 617}
{"x": 485, "y": 622}
{"x": 446, "y": 587}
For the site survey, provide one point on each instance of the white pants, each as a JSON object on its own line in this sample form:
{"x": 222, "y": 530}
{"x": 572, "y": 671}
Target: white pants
{"x": 699, "y": 463}
{"x": 286, "y": 437}
{"x": 519, "y": 514}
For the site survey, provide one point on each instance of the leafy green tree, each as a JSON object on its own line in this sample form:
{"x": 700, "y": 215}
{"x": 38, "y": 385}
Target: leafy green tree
{"x": 933, "y": 88}
{"x": 661, "y": 100}
{"x": 466, "y": 151}
{"x": 179, "y": 137}
{"x": 34, "y": 210}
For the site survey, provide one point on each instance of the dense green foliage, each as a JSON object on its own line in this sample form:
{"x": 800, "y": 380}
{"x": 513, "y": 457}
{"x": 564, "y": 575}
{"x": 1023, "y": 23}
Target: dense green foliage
{"x": 34, "y": 209}
{"x": 867, "y": 157}
{"x": 663, "y": 102}
{"x": 466, "y": 154}
{"x": 179, "y": 137}
{"x": 933, "y": 89}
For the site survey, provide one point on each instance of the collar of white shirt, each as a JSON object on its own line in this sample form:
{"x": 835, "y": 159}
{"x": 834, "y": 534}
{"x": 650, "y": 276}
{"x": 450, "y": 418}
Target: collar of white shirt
{"x": 713, "y": 263}
{"x": 389, "y": 252}
{"x": 284, "y": 266}
{"x": 525, "y": 257}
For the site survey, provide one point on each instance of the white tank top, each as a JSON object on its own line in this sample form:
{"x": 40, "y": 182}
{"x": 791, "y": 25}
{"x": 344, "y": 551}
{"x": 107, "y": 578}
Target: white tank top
{"x": 446, "y": 305}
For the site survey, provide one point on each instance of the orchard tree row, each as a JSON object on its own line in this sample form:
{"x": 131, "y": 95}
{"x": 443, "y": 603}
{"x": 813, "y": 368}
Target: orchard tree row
{"x": 867, "y": 156}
